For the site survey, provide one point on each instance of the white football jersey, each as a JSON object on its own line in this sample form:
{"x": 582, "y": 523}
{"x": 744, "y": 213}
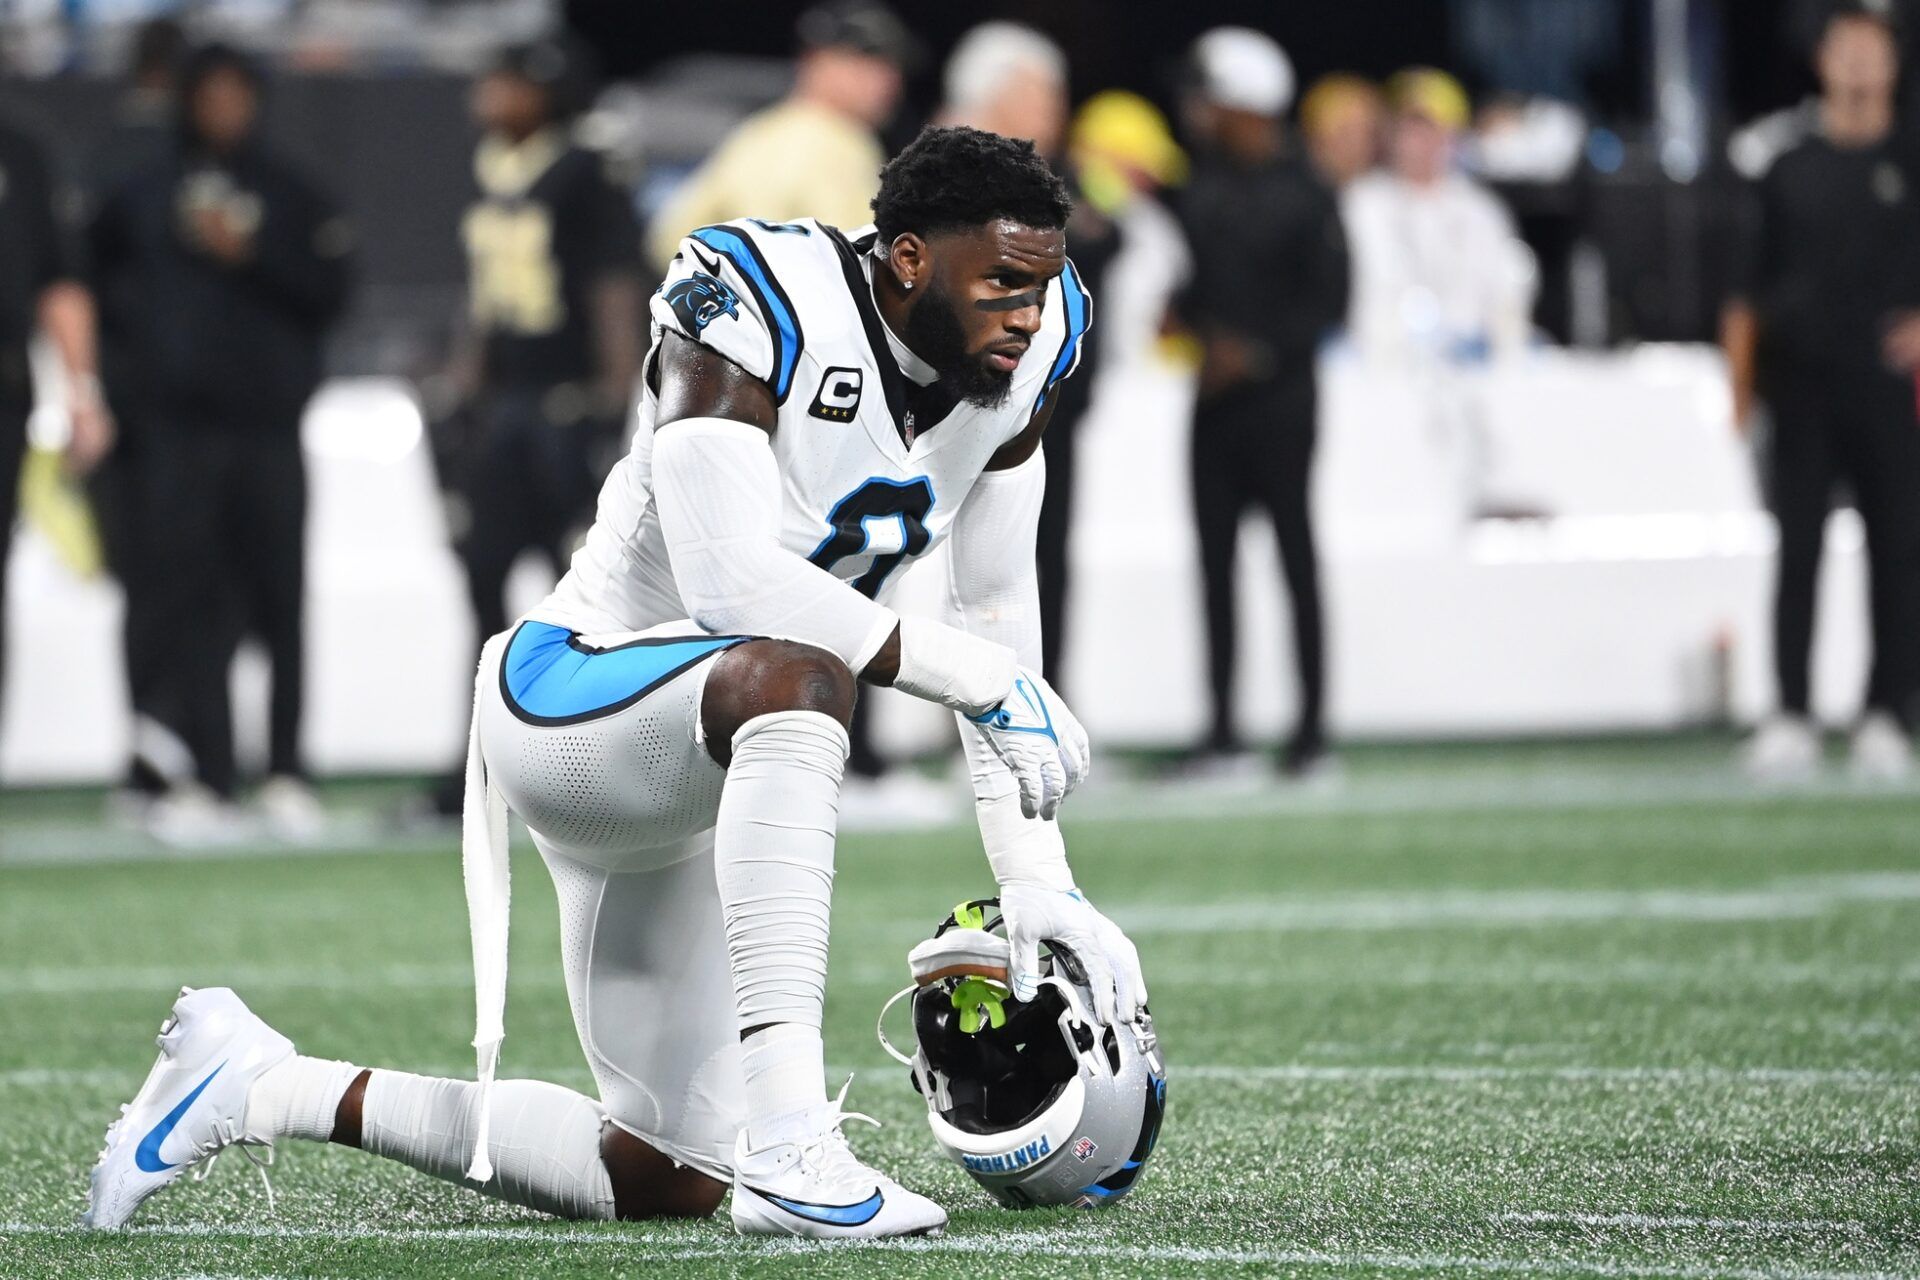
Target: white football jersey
{"x": 873, "y": 465}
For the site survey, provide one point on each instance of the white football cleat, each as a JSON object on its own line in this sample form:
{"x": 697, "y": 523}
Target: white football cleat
{"x": 194, "y": 1103}
{"x": 290, "y": 809}
{"x": 1881, "y": 750}
{"x": 818, "y": 1189}
{"x": 1784, "y": 749}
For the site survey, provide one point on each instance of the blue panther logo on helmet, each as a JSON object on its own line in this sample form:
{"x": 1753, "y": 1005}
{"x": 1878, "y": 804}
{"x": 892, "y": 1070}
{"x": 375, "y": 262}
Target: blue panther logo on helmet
{"x": 699, "y": 300}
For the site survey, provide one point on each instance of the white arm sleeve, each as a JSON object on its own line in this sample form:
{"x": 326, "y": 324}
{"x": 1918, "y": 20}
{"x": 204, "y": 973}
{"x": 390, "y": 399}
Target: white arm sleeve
{"x": 994, "y": 588}
{"x": 717, "y": 487}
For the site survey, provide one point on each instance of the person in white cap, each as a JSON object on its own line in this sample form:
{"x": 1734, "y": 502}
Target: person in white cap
{"x": 1269, "y": 279}
{"x": 1010, "y": 80}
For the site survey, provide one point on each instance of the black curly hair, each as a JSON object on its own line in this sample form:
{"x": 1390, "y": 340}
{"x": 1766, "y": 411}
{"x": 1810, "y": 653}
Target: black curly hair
{"x": 951, "y": 178}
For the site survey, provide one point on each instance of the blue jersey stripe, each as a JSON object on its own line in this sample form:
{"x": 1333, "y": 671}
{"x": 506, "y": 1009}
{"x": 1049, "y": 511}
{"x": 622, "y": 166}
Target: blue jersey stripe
{"x": 548, "y": 677}
{"x": 774, "y": 304}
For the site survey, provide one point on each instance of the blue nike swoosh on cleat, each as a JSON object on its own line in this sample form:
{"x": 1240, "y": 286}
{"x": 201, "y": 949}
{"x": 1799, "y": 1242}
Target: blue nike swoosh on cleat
{"x": 147, "y": 1154}
{"x": 833, "y": 1215}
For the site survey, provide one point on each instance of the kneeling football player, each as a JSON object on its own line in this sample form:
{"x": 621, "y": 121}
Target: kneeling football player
{"x": 821, "y": 408}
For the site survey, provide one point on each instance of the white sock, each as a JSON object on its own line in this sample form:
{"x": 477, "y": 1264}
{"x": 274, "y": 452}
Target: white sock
{"x": 544, "y": 1140}
{"x": 298, "y": 1098}
{"x": 773, "y": 856}
{"x": 786, "y": 1081}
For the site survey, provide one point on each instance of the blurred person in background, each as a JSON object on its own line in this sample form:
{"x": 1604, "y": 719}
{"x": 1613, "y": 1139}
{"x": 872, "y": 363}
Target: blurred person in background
{"x": 1269, "y": 279}
{"x": 40, "y": 289}
{"x": 1826, "y": 327}
{"x": 1439, "y": 270}
{"x": 143, "y": 135}
{"x": 546, "y": 371}
{"x": 1343, "y": 118}
{"x": 1120, "y": 152}
{"x": 143, "y": 117}
{"x": 816, "y": 153}
{"x": 1010, "y": 80}
{"x": 227, "y": 269}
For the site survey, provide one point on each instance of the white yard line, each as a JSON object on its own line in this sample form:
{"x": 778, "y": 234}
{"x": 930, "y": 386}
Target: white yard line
{"x": 1181, "y": 1073}
{"x": 1469, "y": 789}
{"x": 167, "y": 980}
{"x": 83, "y": 980}
{"x": 1361, "y": 1072}
{"x": 1682, "y": 1222}
{"x": 1785, "y": 899}
{"x": 1016, "y": 1244}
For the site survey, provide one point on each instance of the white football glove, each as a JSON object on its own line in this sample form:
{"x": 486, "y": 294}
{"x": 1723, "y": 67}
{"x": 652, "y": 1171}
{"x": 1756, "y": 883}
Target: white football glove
{"x": 1040, "y": 741}
{"x": 1061, "y": 917}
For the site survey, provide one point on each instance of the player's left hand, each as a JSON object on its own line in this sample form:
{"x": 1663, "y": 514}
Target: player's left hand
{"x": 90, "y": 429}
{"x": 1040, "y": 741}
{"x": 1063, "y": 918}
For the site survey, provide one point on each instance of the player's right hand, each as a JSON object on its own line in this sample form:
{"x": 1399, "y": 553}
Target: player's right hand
{"x": 1040, "y": 741}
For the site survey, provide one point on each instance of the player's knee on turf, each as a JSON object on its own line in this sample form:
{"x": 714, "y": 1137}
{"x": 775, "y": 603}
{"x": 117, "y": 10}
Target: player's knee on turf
{"x": 648, "y": 1184}
{"x": 762, "y": 677}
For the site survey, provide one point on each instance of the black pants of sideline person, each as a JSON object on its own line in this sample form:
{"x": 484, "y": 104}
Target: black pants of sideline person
{"x": 1860, "y": 428}
{"x": 1055, "y": 533}
{"x": 528, "y": 484}
{"x": 224, "y": 516}
{"x": 13, "y": 451}
{"x": 1253, "y": 450}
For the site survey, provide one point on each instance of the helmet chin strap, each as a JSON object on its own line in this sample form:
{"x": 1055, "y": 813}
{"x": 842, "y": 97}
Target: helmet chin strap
{"x": 880, "y": 1026}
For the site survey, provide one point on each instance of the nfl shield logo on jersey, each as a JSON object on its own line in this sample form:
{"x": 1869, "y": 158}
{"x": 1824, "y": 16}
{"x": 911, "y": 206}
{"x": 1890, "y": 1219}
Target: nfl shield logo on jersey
{"x": 1083, "y": 1150}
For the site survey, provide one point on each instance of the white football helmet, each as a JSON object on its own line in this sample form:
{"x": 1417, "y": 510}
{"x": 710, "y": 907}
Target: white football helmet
{"x": 1038, "y": 1101}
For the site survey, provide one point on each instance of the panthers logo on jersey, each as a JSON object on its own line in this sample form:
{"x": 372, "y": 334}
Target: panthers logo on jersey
{"x": 699, "y": 300}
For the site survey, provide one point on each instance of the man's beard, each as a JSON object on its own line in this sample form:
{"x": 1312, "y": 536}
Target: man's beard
{"x": 934, "y": 333}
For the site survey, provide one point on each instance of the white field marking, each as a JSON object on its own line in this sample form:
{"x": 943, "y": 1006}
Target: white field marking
{"x": 1008, "y": 1244}
{"x": 1306, "y": 1072}
{"x": 1786, "y": 899}
{"x": 1469, "y": 790}
{"x": 1792, "y": 898}
{"x": 1527, "y": 972}
{"x": 1682, "y": 1222}
{"x": 1180, "y": 1073}
{"x": 82, "y": 980}
{"x": 167, "y": 980}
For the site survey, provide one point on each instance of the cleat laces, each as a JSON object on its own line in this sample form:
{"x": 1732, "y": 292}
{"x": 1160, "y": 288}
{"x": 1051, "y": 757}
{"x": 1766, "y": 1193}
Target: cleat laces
{"x": 230, "y": 1136}
{"x": 827, "y": 1151}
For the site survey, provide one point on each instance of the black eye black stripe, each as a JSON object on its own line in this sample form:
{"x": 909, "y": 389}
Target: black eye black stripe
{"x": 1014, "y": 301}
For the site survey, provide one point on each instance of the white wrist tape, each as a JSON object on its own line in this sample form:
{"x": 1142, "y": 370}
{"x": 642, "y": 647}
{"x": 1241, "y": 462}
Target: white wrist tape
{"x": 1021, "y": 850}
{"x": 717, "y": 488}
{"x": 944, "y": 664}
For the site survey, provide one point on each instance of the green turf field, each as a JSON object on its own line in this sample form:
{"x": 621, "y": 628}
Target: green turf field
{"x": 1511, "y": 1012}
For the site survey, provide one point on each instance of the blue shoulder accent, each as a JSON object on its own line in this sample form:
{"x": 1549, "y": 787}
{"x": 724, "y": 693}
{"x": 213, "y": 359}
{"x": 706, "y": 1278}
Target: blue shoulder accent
{"x": 548, "y": 677}
{"x": 746, "y": 258}
{"x": 1079, "y": 309}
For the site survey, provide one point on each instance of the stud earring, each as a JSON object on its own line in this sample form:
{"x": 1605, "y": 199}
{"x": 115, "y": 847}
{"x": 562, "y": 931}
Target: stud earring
{"x": 906, "y": 284}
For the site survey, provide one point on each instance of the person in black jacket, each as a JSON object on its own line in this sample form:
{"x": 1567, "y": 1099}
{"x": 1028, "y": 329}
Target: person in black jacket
{"x": 534, "y": 404}
{"x": 1826, "y": 328}
{"x": 1269, "y": 279}
{"x": 40, "y": 290}
{"x": 221, "y": 270}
